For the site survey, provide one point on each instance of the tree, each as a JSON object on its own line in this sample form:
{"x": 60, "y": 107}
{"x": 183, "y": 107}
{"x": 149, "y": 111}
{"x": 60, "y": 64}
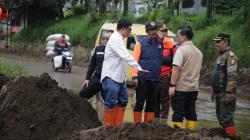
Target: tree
{"x": 177, "y": 4}
{"x": 246, "y": 17}
{"x": 227, "y": 7}
{"x": 87, "y": 6}
{"x": 125, "y": 7}
{"x": 209, "y": 11}
{"x": 115, "y": 3}
{"x": 101, "y": 6}
{"x": 37, "y": 11}
{"x": 171, "y": 6}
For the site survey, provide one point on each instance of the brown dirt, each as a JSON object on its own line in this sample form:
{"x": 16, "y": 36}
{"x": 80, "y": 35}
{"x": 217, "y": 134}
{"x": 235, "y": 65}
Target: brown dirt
{"x": 3, "y": 80}
{"x": 150, "y": 131}
{"x": 35, "y": 108}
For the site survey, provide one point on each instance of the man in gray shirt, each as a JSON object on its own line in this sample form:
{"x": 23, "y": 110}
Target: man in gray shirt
{"x": 116, "y": 58}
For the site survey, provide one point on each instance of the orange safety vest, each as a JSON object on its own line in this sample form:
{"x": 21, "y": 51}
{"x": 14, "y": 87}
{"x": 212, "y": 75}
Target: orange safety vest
{"x": 3, "y": 16}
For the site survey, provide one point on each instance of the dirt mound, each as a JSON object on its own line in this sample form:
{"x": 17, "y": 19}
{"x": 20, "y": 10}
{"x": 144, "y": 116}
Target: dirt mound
{"x": 37, "y": 109}
{"x": 154, "y": 130}
{"x": 3, "y": 80}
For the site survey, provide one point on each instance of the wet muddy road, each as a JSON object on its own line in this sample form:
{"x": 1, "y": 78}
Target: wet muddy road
{"x": 73, "y": 80}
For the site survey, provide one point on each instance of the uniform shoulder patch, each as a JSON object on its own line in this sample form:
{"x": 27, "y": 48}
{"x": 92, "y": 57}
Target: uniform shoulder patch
{"x": 231, "y": 54}
{"x": 232, "y": 60}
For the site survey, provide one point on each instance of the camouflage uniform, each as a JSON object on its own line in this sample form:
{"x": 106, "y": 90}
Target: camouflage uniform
{"x": 224, "y": 81}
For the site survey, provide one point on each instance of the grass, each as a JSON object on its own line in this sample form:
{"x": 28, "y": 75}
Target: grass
{"x": 82, "y": 30}
{"x": 81, "y": 55}
{"x": 12, "y": 70}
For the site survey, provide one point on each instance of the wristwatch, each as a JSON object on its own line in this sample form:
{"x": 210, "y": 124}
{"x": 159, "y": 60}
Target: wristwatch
{"x": 172, "y": 85}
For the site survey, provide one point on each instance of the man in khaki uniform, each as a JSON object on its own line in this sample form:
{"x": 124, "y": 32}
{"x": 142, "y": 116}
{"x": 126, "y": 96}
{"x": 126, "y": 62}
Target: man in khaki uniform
{"x": 224, "y": 83}
{"x": 184, "y": 80}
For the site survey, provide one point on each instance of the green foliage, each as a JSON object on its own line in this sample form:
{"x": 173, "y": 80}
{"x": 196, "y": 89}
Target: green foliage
{"x": 80, "y": 29}
{"x": 203, "y": 40}
{"x": 37, "y": 11}
{"x": 12, "y": 70}
{"x": 204, "y": 34}
{"x": 239, "y": 42}
{"x": 227, "y": 7}
{"x": 83, "y": 30}
{"x": 164, "y": 15}
{"x": 78, "y": 10}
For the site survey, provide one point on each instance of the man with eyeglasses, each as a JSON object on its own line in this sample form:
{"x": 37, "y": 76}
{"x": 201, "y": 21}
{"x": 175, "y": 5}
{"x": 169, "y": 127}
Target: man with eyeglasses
{"x": 224, "y": 83}
{"x": 148, "y": 53}
{"x": 92, "y": 85}
{"x": 115, "y": 62}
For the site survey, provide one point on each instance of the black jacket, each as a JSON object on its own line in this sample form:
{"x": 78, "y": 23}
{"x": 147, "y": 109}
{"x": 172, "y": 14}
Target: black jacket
{"x": 59, "y": 49}
{"x": 96, "y": 61}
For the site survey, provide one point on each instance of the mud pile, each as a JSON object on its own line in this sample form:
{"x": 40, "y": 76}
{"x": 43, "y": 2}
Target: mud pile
{"x": 37, "y": 109}
{"x": 151, "y": 131}
{"x": 3, "y": 80}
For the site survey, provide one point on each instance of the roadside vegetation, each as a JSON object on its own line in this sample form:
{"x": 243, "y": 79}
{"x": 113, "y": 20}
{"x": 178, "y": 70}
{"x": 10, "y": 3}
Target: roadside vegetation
{"x": 12, "y": 70}
{"x": 82, "y": 23}
{"x": 83, "y": 31}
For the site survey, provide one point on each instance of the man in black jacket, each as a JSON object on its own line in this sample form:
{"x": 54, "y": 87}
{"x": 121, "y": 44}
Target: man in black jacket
{"x": 91, "y": 86}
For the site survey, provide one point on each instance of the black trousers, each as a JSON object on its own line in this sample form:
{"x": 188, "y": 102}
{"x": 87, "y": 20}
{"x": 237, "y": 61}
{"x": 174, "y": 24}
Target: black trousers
{"x": 147, "y": 91}
{"x": 162, "y": 101}
{"x": 94, "y": 87}
{"x": 183, "y": 105}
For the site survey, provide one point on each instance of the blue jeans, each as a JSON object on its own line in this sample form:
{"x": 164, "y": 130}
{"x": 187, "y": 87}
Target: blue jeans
{"x": 115, "y": 93}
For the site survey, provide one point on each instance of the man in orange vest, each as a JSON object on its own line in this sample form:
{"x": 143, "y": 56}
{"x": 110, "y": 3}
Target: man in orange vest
{"x": 148, "y": 53}
{"x": 3, "y": 13}
{"x": 162, "y": 101}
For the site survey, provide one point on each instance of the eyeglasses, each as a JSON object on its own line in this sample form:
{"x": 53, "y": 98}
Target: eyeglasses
{"x": 105, "y": 38}
{"x": 152, "y": 30}
{"x": 217, "y": 41}
{"x": 163, "y": 30}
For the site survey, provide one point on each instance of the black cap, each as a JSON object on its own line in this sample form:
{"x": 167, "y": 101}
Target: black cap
{"x": 163, "y": 27}
{"x": 63, "y": 36}
{"x": 222, "y": 36}
{"x": 151, "y": 25}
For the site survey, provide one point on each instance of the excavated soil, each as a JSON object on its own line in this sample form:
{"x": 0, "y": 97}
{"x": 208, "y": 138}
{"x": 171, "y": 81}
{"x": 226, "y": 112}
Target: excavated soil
{"x": 35, "y": 108}
{"x": 151, "y": 131}
{"x": 3, "y": 80}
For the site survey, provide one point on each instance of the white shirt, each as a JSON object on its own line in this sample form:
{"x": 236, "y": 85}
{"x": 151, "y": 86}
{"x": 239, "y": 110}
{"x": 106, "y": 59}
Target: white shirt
{"x": 116, "y": 58}
{"x": 178, "y": 58}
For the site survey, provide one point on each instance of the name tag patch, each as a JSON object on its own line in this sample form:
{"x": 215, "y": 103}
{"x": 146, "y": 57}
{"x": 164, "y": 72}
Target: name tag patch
{"x": 232, "y": 68}
{"x": 100, "y": 53}
{"x": 232, "y": 62}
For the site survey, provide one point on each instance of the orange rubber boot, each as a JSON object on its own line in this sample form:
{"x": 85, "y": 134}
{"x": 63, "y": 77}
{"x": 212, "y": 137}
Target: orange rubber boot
{"x": 230, "y": 131}
{"x": 119, "y": 114}
{"x": 137, "y": 117}
{"x": 109, "y": 117}
{"x": 148, "y": 116}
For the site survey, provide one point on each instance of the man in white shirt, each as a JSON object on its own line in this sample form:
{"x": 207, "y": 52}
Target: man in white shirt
{"x": 116, "y": 58}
